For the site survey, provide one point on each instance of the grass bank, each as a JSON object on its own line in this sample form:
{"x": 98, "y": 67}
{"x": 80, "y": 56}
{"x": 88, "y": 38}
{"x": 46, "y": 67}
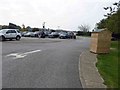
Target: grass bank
{"x": 108, "y": 66}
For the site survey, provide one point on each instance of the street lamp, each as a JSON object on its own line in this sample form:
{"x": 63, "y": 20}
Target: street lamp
{"x": 44, "y": 25}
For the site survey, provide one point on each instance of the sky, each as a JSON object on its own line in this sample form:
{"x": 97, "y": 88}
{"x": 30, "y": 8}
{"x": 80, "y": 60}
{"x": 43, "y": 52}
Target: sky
{"x": 62, "y": 14}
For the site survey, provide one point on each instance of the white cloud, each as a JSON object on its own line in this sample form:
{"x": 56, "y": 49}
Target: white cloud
{"x": 65, "y": 13}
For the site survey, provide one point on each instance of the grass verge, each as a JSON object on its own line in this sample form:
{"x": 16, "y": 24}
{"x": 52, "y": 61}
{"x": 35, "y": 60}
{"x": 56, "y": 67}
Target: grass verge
{"x": 108, "y": 66}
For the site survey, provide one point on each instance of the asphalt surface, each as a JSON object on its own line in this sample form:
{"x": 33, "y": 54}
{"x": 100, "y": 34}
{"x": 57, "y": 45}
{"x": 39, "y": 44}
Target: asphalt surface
{"x": 46, "y": 63}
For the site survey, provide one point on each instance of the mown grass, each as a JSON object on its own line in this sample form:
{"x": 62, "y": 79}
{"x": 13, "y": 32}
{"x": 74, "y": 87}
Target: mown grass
{"x": 108, "y": 66}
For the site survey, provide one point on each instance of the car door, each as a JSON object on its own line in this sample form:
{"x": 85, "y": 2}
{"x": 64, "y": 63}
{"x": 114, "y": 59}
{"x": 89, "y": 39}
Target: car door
{"x": 13, "y": 33}
{"x": 8, "y": 34}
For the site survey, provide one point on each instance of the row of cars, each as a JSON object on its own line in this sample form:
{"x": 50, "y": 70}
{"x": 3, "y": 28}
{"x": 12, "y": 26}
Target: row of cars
{"x": 16, "y": 34}
{"x": 44, "y": 34}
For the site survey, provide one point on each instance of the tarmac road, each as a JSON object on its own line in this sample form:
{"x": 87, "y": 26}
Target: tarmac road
{"x": 42, "y": 63}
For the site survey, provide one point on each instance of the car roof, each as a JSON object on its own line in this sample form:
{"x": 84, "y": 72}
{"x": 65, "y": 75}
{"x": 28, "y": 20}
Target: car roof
{"x": 9, "y": 29}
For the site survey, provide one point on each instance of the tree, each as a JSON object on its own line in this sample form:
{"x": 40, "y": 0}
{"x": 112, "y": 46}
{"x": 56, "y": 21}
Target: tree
{"x": 23, "y": 28}
{"x": 5, "y": 27}
{"x": 84, "y": 28}
{"x": 113, "y": 9}
{"x": 35, "y": 29}
{"x": 101, "y": 24}
{"x": 111, "y": 22}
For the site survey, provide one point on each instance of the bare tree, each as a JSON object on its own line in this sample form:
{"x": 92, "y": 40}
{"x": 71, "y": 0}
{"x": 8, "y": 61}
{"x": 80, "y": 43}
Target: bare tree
{"x": 84, "y": 27}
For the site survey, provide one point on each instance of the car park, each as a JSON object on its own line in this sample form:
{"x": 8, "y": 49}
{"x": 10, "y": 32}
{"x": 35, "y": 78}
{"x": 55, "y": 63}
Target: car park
{"x": 10, "y": 34}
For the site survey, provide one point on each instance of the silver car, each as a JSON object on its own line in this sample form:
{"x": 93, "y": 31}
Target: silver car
{"x": 10, "y": 34}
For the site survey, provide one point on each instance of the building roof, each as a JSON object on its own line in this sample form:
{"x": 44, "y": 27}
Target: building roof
{"x": 98, "y": 30}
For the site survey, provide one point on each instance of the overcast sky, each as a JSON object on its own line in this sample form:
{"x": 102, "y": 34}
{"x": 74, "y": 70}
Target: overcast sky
{"x": 68, "y": 14}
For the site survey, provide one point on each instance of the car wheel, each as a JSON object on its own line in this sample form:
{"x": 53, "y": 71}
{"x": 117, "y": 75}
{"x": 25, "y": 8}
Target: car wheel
{"x": 18, "y": 38}
{"x": 74, "y": 37}
{"x": 2, "y": 38}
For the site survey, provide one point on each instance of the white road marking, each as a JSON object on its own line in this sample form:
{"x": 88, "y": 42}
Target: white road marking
{"x": 17, "y": 55}
{"x": 32, "y": 52}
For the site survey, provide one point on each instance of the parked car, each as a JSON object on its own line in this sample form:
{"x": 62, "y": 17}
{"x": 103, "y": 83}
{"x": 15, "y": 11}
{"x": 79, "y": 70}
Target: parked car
{"x": 35, "y": 34}
{"x": 114, "y": 39}
{"x": 47, "y": 33}
{"x": 71, "y": 35}
{"x": 23, "y": 33}
{"x": 63, "y": 35}
{"x": 10, "y": 34}
{"x": 53, "y": 35}
{"x": 42, "y": 34}
{"x": 28, "y": 34}
{"x": 67, "y": 35}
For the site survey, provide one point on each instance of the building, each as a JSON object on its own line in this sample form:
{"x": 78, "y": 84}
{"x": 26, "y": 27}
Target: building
{"x": 100, "y": 41}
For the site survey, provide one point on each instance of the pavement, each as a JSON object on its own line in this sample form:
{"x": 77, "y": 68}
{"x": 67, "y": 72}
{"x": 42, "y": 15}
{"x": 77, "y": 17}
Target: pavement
{"x": 89, "y": 75}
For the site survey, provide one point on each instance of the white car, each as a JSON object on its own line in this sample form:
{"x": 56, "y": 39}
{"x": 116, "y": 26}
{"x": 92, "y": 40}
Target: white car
{"x": 10, "y": 34}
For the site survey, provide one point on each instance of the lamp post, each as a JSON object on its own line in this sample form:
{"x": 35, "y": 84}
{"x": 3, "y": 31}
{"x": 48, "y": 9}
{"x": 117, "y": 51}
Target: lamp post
{"x": 44, "y": 25}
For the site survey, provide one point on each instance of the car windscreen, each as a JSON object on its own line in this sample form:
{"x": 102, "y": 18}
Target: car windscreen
{"x": 63, "y": 33}
{"x": 2, "y": 31}
{"x": 18, "y": 31}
